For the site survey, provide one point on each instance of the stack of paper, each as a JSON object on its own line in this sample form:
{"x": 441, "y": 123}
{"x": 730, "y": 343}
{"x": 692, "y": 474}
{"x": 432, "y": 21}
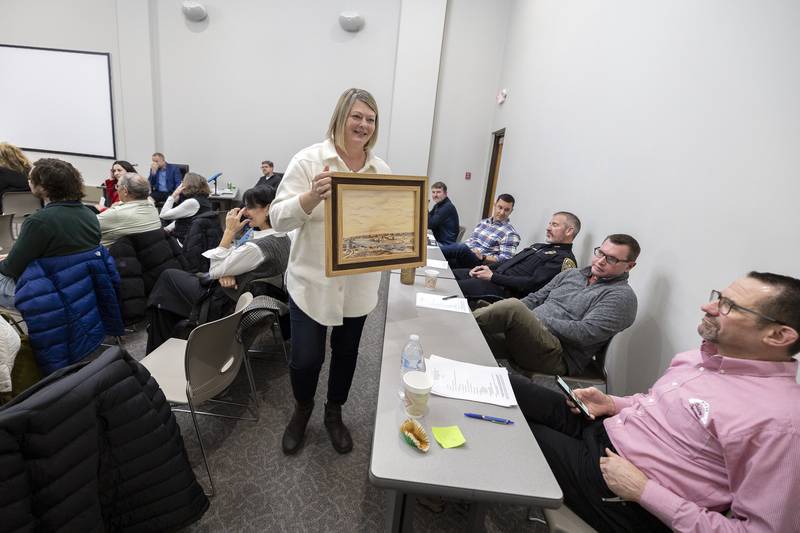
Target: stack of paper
{"x": 437, "y": 301}
{"x": 465, "y": 381}
{"x": 435, "y": 263}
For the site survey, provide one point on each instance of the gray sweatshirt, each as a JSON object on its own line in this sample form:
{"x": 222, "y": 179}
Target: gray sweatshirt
{"x": 583, "y": 317}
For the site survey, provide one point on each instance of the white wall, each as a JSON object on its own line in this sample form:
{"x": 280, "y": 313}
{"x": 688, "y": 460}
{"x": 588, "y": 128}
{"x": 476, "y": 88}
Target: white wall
{"x": 80, "y": 25}
{"x": 677, "y": 122}
{"x": 419, "y": 45}
{"x": 259, "y": 80}
{"x": 256, "y": 80}
{"x": 469, "y": 77}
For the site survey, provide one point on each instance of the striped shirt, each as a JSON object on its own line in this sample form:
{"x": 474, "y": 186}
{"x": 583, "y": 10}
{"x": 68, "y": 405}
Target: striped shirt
{"x": 716, "y": 433}
{"x": 495, "y": 238}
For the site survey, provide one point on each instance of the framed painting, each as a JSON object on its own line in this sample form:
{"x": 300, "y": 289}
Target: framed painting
{"x": 375, "y": 222}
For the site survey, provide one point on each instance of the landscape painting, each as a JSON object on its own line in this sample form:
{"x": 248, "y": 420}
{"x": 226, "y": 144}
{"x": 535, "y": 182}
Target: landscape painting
{"x": 375, "y": 222}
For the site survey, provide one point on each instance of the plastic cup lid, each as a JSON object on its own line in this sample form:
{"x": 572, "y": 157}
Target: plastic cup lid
{"x": 417, "y": 382}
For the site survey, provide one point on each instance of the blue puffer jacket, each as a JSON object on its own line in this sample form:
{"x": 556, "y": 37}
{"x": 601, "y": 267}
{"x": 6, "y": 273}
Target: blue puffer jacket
{"x": 69, "y": 304}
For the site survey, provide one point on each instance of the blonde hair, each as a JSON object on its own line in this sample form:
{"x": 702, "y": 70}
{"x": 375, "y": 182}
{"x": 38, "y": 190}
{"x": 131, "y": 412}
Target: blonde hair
{"x": 195, "y": 184}
{"x": 12, "y": 158}
{"x": 342, "y": 111}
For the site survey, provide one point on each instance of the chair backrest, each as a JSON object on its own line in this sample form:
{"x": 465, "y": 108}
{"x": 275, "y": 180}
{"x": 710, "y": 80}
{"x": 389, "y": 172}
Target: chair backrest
{"x": 183, "y": 168}
{"x": 92, "y": 194}
{"x": 20, "y": 203}
{"x": 598, "y": 365}
{"x": 461, "y": 230}
{"x": 6, "y": 233}
{"x": 214, "y": 354}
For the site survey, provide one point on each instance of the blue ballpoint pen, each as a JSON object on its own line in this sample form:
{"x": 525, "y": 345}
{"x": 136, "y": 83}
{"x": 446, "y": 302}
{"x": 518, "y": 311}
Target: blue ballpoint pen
{"x": 488, "y": 418}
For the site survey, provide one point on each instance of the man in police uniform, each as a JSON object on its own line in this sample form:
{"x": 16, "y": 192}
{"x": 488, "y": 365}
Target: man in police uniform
{"x": 528, "y": 270}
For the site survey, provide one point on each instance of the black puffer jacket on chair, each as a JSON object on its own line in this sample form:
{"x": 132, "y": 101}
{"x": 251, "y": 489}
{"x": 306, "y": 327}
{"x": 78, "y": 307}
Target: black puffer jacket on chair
{"x": 140, "y": 259}
{"x": 95, "y": 447}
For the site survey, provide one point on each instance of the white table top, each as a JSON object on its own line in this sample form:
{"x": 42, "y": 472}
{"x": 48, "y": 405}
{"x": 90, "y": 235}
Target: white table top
{"x": 497, "y": 463}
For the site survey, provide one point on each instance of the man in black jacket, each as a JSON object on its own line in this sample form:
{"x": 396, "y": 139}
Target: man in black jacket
{"x": 527, "y": 271}
{"x": 269, "y": 178}
{"x": 443, "y": 218}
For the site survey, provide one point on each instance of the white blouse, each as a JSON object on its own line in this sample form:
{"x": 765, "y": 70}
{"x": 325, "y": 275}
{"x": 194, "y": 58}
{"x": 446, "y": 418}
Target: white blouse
{"x": 186, "y": 208}
{"x": 234, "y": 261}
{"x": 326, "y": 300}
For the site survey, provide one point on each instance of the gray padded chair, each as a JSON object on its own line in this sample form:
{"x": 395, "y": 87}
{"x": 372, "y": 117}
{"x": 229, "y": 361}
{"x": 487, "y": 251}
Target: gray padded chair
{"x": 20, "y": 204}
{"x": 6, "y": 233}
{"x": 194, "y": 371}
{"x": 563, "y": 520}
{"x": 594, "y": 375}
{"x": 92, "y": 194}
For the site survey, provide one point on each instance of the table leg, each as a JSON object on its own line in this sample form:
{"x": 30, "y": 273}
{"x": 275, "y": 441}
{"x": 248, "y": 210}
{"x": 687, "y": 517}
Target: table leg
{"x": 399, "y": 512}
{"x": 476, "y": 517}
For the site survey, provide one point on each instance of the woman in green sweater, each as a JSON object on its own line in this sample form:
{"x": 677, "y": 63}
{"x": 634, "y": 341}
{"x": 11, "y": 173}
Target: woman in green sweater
{"x": 64, "y": 226}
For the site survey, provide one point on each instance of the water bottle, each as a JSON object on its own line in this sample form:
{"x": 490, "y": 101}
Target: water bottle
{"x": 411, "y": 359}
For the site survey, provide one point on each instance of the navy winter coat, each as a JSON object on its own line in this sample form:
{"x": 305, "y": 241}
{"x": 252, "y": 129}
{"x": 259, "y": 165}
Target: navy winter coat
{"x": 69, "y": 303}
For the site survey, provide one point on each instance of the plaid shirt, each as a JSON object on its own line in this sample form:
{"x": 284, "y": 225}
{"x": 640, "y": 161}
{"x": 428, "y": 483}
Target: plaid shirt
{"x": 499, "y": 239}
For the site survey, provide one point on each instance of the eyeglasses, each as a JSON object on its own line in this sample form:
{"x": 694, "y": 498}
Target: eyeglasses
{"x": 725, "y": 304}
{"x": 610, "y": 259}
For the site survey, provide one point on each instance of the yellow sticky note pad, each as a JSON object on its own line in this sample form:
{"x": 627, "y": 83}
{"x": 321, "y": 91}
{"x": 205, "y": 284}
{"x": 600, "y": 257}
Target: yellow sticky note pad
{"x": 448, "y": 437}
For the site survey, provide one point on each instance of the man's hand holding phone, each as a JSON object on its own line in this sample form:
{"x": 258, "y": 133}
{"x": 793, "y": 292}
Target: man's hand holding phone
{"x": 594, "y": 402}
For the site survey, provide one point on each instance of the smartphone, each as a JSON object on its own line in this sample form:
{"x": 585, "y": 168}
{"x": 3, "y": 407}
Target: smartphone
{"x": 571, "y": 395}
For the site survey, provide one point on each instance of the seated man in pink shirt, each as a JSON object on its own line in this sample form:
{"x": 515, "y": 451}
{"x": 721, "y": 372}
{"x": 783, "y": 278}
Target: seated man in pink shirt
{"x": 718, "y": 432}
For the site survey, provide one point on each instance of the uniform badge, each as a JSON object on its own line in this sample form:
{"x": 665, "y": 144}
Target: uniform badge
{"x": 550, "y": 252}
{"x": 567, "y": 264}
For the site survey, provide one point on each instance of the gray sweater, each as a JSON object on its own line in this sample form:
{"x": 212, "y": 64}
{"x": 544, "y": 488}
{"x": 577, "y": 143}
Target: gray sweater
{"x": 583, "y": 317}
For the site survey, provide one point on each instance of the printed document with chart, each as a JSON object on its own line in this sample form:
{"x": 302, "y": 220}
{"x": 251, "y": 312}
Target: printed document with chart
{"x": 466, "y": 381}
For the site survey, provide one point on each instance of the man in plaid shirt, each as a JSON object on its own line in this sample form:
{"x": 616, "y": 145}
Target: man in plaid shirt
{"x": 493, "y": 240}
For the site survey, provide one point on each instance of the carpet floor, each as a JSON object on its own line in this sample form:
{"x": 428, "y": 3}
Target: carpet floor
{"x": 258, "y": 488}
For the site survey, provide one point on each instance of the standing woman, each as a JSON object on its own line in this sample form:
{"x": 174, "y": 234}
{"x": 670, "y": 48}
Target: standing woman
{"x": 317, "y": 302}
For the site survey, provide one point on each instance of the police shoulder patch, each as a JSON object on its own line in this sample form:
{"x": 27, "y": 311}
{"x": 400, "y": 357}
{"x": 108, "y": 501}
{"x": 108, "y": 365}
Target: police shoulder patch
{"x": 567, "y": 264}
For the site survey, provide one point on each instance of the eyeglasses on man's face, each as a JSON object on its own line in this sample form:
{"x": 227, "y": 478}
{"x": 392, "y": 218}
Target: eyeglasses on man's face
{"x": 725, "y": 305}
{"x": 610, "y": 259}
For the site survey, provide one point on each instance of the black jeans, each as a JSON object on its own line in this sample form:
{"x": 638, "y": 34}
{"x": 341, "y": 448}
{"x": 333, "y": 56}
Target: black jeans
{"x": 174, "y": 295}
{"x": 308, "y": 354}
{"x": 573, "y": 446}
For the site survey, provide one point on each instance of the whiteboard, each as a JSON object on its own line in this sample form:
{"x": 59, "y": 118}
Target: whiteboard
{"x": 56, "y": 101}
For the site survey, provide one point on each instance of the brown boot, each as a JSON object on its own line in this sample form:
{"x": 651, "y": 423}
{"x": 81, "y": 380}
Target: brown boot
{"x": 338, "y": 432}
{"x": 296, "y": 430}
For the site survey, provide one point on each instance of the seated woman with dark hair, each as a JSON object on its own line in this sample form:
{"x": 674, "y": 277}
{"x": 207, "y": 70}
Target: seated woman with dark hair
{"x": 265, "y": 255}
{"x": 111, "y": 195}
{"x": 186, "y": 202}
{"x": 65, "y": 226}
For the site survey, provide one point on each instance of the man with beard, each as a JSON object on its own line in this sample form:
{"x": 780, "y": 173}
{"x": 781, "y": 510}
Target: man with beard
{"x": 527, "y": 271}
{"x": 717, "y": 433}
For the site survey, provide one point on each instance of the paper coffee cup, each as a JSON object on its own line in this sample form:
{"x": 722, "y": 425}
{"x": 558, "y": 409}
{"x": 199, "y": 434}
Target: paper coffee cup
{"x": 417, "y": 387}
{"x": 430, "y": 279}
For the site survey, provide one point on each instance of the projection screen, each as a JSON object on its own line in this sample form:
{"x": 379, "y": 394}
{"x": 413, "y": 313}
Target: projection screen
{"x": 56, "y": 101}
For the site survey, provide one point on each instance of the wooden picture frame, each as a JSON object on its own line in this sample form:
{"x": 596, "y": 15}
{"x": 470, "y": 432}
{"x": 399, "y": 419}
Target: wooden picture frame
{"x": 375, "y": 222}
